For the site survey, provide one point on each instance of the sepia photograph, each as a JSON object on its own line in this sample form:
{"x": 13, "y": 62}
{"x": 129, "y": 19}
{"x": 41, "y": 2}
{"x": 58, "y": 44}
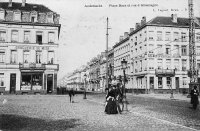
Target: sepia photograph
{"x": 99, "y": 65}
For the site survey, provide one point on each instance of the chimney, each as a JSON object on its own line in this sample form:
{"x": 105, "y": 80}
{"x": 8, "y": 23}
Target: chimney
{"x": 120, "y": 38}
{"x": 10, "y": 3}
{"x": 131, "y": 30}
{"x": 143, "y": 21}
{"x": 23, "y": 3}
{"x": 174, "y": 18}
{"x": 125, "y": 35}
{"x": 137, "y": 25}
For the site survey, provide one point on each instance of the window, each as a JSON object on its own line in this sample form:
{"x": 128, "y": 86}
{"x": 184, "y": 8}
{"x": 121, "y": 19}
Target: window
{"x": 1, "y": 79}
{"x": 51, "y": 37}
{"x": 184, "y": 50}
{"x": 49, "y": 18}
{"x": 13, "y": 56}
{"x": 26, "y": 56}
{"x": 176, "y": 37}
{"x": 2, "y": 15}
{"x": 50, "y": 57}
{"x": 26, "y": 36}
{"x": 176, "y": 51}
{"x": 2, "y": 36}
{"x": 159, "y": 63}
{"x": 167, "y": 36}
{"x": 168, "y": 63}
{"x": 160, "y": 83}
{"x": 167, "y": 51}
{"x": 176, "y": 64}
{"x": 2, "y": 56}
{"x": 198, "y": 37}
{"x": 14, "y": 35}
{"x": 184, "y": 64}
{"x": 151, "y": 48}
{"x": 17, "y": 16}
{"x": 39, "y": 37}
{"x": 159, "y": 49}
{"x": 151, "y": 63}
{"x": 33, "y": 18}
{"x": 38, "y": 56}
{"x": 159, "y": 35}
{"x": 169, "y": 81}
{"x": 185, "y": 81}
{"x": 183, "y": 37}
{"x": 140, "y": 65}
{"x": 151, "y": 35}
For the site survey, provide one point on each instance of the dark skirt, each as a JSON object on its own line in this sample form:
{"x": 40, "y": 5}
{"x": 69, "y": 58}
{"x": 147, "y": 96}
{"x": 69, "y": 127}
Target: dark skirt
{"x": 111, "y": 106}
{"x": 194, "y": 100}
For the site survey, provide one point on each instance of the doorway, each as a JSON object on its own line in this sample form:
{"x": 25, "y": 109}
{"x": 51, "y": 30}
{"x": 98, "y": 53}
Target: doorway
{"x": 12, "y": 83}
{"x": 177, "y": 83}
{"x": 49, "y": 83}
{"x": 151, "y": 82}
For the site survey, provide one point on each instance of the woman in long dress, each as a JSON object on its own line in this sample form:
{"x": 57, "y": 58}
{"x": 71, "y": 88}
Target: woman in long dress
{"x": 111, "y": 106}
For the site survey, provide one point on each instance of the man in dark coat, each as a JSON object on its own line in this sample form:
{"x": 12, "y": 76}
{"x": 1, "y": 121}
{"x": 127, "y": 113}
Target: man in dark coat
{"x": 194, "y": 97}
{"x": 71, "y": 95}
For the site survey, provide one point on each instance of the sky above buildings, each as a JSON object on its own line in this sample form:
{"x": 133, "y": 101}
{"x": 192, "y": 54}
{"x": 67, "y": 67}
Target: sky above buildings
{"x": 83, "y": 28}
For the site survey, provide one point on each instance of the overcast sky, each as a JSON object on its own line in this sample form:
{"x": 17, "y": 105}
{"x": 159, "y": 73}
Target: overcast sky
{"x": 83, "y": 29}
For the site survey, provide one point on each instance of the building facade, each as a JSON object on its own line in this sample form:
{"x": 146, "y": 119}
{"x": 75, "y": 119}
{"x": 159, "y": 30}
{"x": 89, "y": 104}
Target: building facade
{"x": 122, "y": 51}
{"x": 160, "y": 54}
{"x": 29, "y": 36}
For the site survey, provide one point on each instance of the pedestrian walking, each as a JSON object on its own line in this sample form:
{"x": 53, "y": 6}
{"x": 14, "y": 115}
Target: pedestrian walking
{"x": 71, "y": 95}
{"x": 194, "y": 97}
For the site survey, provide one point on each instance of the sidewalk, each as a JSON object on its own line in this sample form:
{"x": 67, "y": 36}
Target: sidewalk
{"x": 163, "y": 96}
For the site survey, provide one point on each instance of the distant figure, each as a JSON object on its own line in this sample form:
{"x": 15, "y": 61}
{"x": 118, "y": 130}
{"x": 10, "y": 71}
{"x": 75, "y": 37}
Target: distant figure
{"x": 194, "y": 97}
{"x": 71, "y": 95}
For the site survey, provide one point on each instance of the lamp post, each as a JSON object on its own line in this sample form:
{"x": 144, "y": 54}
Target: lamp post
{"x": 84, "y": 97}
{"x": 124, "y": 66}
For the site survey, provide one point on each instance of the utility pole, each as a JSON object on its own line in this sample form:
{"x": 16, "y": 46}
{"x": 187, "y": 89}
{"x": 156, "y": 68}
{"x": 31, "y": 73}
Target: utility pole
{"x": 193, "y": 72}
{"x": 107, "y": 54}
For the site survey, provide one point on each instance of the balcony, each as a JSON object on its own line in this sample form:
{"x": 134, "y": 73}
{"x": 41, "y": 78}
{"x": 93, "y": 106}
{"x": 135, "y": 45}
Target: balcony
{"x": 9, "y": 66}
{"x": 52, "y": 66}
{"x": 165, "y": 72}
{"x": 32, "y": 66}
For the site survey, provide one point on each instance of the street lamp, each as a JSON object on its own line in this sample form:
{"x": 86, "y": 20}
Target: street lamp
{"x": 85, "y": 76}
{"x": 124, "y": 66}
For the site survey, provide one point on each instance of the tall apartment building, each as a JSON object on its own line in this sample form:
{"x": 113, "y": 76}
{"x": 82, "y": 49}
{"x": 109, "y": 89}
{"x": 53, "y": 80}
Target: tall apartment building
{"x": 122, "y": 51}
{"x": 29, "y": 36}
{"x": 160, "y": 54}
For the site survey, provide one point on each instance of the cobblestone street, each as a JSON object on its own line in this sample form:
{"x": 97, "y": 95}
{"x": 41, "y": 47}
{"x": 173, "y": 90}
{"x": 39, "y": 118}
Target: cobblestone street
{"x": 54, "y": 112}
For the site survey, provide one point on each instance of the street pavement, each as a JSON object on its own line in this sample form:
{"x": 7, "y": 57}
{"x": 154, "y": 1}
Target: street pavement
{"x": 55, "y": 112}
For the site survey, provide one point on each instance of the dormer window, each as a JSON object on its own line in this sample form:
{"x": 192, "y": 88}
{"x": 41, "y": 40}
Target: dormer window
{"x": 17, "y": 16}
{"x": 33, "y": 17}
{"x": 50, "y": 17}
{"x": 2, "y": 15}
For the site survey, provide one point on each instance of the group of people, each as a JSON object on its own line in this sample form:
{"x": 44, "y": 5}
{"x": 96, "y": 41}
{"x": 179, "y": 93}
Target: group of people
{"x": 114, "y": 96}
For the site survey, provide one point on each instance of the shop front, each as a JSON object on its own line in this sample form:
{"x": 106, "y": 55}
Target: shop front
{"x": 31, "y": 81}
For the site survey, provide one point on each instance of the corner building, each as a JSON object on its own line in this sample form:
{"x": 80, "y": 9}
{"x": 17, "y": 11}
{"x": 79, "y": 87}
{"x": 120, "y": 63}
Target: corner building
{"x": 160, "y": 55}
{"x": 29, "y": 36}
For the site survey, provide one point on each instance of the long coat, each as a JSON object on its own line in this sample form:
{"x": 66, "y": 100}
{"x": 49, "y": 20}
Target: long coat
{"x": 194, "y": 96}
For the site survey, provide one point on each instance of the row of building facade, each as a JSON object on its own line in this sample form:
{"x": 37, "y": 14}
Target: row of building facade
{"x": 157, "y": 53}
{"x": 29, "y": 35}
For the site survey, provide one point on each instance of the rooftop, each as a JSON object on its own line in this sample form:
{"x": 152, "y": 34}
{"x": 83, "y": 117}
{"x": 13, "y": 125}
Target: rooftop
{"x": 28, "y": 7}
